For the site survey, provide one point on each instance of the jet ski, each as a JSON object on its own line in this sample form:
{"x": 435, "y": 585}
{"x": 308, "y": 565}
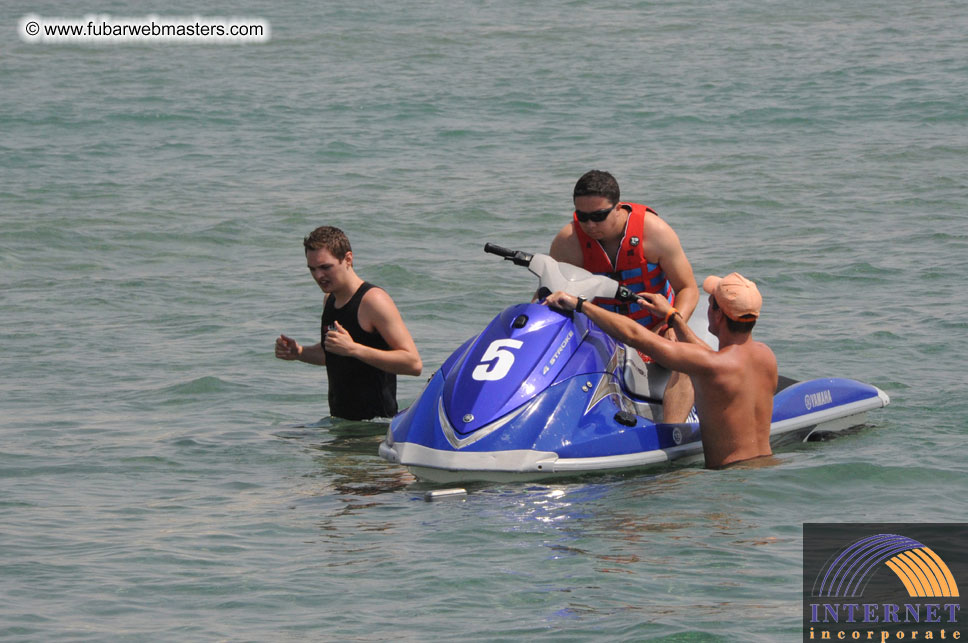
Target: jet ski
{"x": 544, "y": 393}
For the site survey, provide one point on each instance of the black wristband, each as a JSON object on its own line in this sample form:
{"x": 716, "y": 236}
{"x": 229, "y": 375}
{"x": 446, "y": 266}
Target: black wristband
{"x": 581, "y": 301}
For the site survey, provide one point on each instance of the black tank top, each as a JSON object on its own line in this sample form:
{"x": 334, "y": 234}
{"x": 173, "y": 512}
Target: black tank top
{"x": 357, "y": 391}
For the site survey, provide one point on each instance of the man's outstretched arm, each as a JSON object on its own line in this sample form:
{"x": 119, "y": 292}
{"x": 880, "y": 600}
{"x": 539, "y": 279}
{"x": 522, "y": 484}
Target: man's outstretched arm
{"x": 679, "y": 356}
{"x": 660, "y": 307}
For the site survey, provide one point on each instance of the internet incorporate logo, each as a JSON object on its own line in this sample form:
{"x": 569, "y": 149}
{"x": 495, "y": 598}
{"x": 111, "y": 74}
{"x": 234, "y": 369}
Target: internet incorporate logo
{"x": 883, "y": 586}
{"x": 922, "y": 571}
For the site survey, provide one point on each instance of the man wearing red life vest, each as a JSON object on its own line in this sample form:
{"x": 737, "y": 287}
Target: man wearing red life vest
{"x": 630, "y": 243}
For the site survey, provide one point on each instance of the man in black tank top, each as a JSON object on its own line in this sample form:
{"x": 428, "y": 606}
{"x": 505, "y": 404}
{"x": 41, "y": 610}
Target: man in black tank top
{"x": 364, "y": 343}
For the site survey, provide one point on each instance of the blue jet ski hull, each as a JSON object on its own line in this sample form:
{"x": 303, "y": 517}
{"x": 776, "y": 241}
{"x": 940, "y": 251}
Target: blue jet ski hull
{"x": 587, "y": 422}
{"x": 418, "y": 440}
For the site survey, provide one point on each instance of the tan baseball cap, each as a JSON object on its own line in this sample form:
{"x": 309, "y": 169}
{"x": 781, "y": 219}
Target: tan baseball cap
{"x": 738, "y": 296}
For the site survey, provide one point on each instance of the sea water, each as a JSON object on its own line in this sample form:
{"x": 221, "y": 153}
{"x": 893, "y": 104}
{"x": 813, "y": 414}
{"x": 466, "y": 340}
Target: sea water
{"x": 164, "y": 478}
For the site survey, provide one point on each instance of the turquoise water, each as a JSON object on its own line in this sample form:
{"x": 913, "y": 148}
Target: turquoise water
{"x": 165, "y": 478}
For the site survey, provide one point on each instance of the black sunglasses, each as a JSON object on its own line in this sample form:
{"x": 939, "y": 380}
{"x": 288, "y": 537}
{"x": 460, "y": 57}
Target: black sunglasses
{"x": 597, "y": 216}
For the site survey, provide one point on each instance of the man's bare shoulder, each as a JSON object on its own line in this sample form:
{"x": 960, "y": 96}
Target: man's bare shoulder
{"x": 747, "y": 350}
{"x": 566, "y": 233}
{"x": 747, "y": 358}
{"x": 376, "y": 299}
{"x": 658, "y": 232}
{"x": 765, "y": 355}
{"x": 566, "y": 247}
{"x": 377, "y": 309}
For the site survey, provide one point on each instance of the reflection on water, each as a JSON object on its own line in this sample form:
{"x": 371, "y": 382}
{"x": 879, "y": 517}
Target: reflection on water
{"x": 345, "y": 457}
{"x": 617, "y": 522}
{"x": 612, "y": 521}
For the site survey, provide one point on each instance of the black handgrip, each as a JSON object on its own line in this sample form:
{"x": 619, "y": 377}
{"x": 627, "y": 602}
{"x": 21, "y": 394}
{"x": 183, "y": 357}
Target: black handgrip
{"x": 519, "y": 258}
{"x": 624, "y": 294}
{"x": 495, "y": 249}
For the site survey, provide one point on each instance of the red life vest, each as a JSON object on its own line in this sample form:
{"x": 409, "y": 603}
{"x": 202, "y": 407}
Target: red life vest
{"x": 631, "y": 269}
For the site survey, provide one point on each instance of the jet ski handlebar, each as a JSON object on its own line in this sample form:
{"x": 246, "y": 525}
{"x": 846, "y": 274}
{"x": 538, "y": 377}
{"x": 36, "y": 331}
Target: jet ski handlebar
{"x": 518, "y": 257}
{"x": 555, "y": 275}
{"x": 624, "y": 294}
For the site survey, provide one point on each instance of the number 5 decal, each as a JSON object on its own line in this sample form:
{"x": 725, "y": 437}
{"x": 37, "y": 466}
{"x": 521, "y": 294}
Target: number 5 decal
{"x": 489, "y": 369}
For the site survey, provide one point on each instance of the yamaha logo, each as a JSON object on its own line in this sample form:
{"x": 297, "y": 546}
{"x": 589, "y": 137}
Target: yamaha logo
{"x": 813, "y": 400}
{"x": 677, "y": 436}
{"x": 468, "y": 418}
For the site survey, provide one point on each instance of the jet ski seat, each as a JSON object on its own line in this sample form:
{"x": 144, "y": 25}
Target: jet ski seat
{"x": 644, "y": 380}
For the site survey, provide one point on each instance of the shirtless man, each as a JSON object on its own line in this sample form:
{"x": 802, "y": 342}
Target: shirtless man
{"x": 365, "y": 343}
{"x": 630, "y": 243}
{"x": 734, "y": 386}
